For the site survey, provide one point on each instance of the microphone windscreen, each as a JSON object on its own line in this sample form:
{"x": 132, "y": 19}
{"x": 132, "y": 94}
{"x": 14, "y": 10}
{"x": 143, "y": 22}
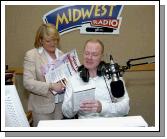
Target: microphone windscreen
{"x": 117, "y": 88}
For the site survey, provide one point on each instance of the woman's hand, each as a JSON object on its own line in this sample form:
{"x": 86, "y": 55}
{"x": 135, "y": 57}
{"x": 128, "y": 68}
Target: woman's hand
{"x": 91, "y": 106}
{"x": 58, "y": 87}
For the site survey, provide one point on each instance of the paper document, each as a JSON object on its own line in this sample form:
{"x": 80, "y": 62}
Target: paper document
{"x": 64, "y": 67}
{"x": 79, "y": 96}
{"x": 81, "y": 91}
{"x": 14, "y": 112}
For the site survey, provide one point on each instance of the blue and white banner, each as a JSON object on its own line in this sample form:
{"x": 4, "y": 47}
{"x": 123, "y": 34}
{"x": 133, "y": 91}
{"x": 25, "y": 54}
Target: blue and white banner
{"x": 90, "y": 19}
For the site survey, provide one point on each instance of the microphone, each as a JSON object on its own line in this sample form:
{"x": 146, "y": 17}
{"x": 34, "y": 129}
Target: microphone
{"x": 116, "y": 85}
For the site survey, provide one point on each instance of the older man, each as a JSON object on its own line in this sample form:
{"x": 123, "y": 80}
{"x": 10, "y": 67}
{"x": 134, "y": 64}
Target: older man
{"x": 104, "y": 104}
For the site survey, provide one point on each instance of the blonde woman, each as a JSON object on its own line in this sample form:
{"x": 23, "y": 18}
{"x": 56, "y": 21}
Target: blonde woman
{"x": 41, "y": 100}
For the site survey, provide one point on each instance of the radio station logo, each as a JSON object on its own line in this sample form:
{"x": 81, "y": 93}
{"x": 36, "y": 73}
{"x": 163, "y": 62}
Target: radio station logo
{"x": 90, "y": 19}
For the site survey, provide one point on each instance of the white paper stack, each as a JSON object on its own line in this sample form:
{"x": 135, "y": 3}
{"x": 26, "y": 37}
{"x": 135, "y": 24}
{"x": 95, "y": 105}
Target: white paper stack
{"x": 14, "y": 113}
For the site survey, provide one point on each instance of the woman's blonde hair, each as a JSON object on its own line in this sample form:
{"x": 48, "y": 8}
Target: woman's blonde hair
{"x": 46, "y": 30}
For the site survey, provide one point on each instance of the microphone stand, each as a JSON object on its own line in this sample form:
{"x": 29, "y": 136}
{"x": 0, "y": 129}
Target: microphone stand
{"x": 113, "y": 71}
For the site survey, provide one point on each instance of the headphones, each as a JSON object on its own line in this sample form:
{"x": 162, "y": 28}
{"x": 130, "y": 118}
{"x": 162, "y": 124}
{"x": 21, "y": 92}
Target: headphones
{"x": 84, "y": 73}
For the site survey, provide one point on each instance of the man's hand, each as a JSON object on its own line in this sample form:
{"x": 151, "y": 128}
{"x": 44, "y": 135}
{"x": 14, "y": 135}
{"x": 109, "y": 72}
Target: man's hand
{"x": 91, "y": 106}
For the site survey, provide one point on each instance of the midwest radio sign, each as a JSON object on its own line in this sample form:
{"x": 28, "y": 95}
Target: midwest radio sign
{"x": 90, "y": 19}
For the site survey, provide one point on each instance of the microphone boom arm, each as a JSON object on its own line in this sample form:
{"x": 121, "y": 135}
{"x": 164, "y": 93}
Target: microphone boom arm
{"x": 121, "y": 69}
{"x": 129, "y": 65}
